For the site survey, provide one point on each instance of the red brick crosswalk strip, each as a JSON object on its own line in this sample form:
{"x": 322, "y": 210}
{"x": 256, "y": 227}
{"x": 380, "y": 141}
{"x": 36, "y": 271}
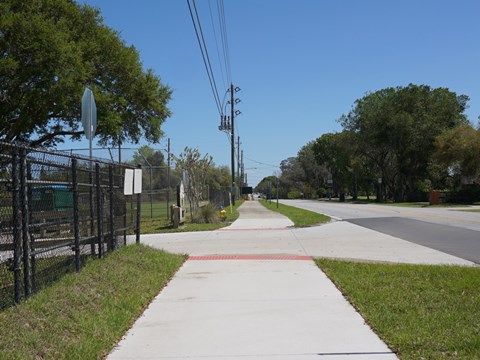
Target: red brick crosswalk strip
{"x": 250, "y": 257}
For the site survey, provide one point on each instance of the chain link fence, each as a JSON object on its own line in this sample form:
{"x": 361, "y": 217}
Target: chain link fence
{"x": 55, "y": 211}
{"x": 221, "y": 198}
{"x": 158, "y": 179}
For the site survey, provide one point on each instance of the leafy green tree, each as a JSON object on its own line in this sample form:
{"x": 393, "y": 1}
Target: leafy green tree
{"x": 292, "y": 175}
{"x": 219, "y": 178}
{"x": 155, "y": 171}
{"x": 315, "y": 173}
{"x": 266, "y": 185}
{"x": 302, "y": 173}
{"x": 49, "y": 52}
{"x": 196, "y": 168}
{"x": 458, "y": 150}
{"x": 395, "y": 129}
{"x": 332, "y": 151}
{"x": 147, "y": 155}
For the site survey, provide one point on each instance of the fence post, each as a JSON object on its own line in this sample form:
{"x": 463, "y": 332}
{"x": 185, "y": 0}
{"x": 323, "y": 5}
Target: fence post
{"x": 17, "y": 226}
{"x": 113, "y": 239}
{"x": 92, "y": 211}
{"x": 139, "y": 212}
{"x": 25, "y": 224}
{"x": 33, "y": 268}
{"x": 99, "y": 211}
{"x": 76, "y": 218}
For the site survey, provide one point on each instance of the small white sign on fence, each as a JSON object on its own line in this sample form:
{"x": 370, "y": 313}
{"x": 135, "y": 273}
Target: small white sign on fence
{"x": 137, "y": 182}
{"x": 128, "y": 183}
{"x": 133, "y": 182}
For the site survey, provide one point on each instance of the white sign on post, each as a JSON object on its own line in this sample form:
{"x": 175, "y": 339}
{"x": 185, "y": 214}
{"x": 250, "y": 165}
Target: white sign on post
{"x": 128, "y": 183}
{"x": 137, "y": 181}
{"x": 133, "y": 182}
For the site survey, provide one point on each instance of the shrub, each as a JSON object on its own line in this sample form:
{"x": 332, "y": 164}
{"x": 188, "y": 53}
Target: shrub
{"x": 207, "y": 214}
{"x": 294, "y": 194}
{"x": 321, "y": 192}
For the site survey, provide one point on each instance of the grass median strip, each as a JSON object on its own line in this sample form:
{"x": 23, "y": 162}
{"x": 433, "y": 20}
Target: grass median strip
{"x": 421, "y": 312}
{"x": 85, "y": 314}
{"x": 300, "y": 217}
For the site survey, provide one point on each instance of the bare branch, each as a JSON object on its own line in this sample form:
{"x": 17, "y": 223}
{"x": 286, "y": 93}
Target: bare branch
{"x": 53, "y": 135}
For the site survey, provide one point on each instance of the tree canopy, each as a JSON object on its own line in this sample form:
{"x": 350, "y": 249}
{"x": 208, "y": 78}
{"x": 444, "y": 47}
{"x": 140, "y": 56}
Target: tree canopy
{"x": 155, "y": 172}
{"x": 301, "y": 174}
{"x": 458, "y": 149}
{"x": 266, "y": 184}
{"x": 395, "y": 128}
{"x": 399, "y": 141}
{"x": 49, "y": 52}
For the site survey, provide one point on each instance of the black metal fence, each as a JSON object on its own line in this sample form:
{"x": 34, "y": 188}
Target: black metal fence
{"x": 221, "y": 197}
{"x": 55, "y": 211}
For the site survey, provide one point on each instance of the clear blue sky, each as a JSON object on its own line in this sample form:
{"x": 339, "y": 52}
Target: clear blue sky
{"x": 301, "y": 64}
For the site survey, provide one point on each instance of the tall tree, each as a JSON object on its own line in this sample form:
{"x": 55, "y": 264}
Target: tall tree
{"x": 315, "y": 173}
{"x": 332, "y": 151}
{"x": 396, "y": 129}
{"x": 266, "y": 184}
{"x": 196, "y": 168}
{"x": 49, "y": 52}
{"x": 292, "y": 175}
{"x": 219, "y": 178}
{"x": 302, "y": 173}
{"x": 154, "y": 174}
{"x": 458, "y": 149}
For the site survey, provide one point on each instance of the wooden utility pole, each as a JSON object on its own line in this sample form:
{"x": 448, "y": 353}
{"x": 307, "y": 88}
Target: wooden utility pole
{"x": 232, "y": 102}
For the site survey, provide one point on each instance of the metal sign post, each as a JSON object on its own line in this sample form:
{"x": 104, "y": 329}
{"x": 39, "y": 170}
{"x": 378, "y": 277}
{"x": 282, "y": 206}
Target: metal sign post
{"x": 89, "y": 122}
{"x": 89, "y": 116}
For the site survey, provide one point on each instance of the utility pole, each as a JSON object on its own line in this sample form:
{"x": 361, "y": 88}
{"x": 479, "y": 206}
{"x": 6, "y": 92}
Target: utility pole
{"x": 232, "y": 102}
{"x": 229, "y": 126}
{"x": 239, "y": 182}
{"x": 168, "y": 179}
{"x": 242, "y": 180}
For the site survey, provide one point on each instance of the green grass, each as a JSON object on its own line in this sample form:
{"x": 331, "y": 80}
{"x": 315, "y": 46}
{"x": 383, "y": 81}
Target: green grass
{"x": 300, "y": 217}
{"x": 83, "y": 315}
{"x": 155, "y": 209}
{"x": 421, "y": 312}
{"x": 162, "y": 225}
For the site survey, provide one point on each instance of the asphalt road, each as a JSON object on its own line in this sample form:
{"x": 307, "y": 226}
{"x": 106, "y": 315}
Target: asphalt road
{"x": 449, "y": 230}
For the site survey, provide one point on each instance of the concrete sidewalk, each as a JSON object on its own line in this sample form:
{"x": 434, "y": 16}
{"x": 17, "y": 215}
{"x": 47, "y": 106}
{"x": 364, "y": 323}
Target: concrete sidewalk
{"x": 262, "y": 308}
{"x": 255, "y": 216}
{"x": 266, "y": 303}
{"x": 261, "y": 231}
{"x": 252, "y": 291}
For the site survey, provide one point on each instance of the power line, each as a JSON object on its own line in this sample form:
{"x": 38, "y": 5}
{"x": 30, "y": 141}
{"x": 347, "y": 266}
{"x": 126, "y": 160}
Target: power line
{"x": 206, "y": 52}
{"x": 261, "y": 163}
{"x": 205, "y": 57}
{"x": 216, "y": 45}
{"x": 223, "y": 27}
